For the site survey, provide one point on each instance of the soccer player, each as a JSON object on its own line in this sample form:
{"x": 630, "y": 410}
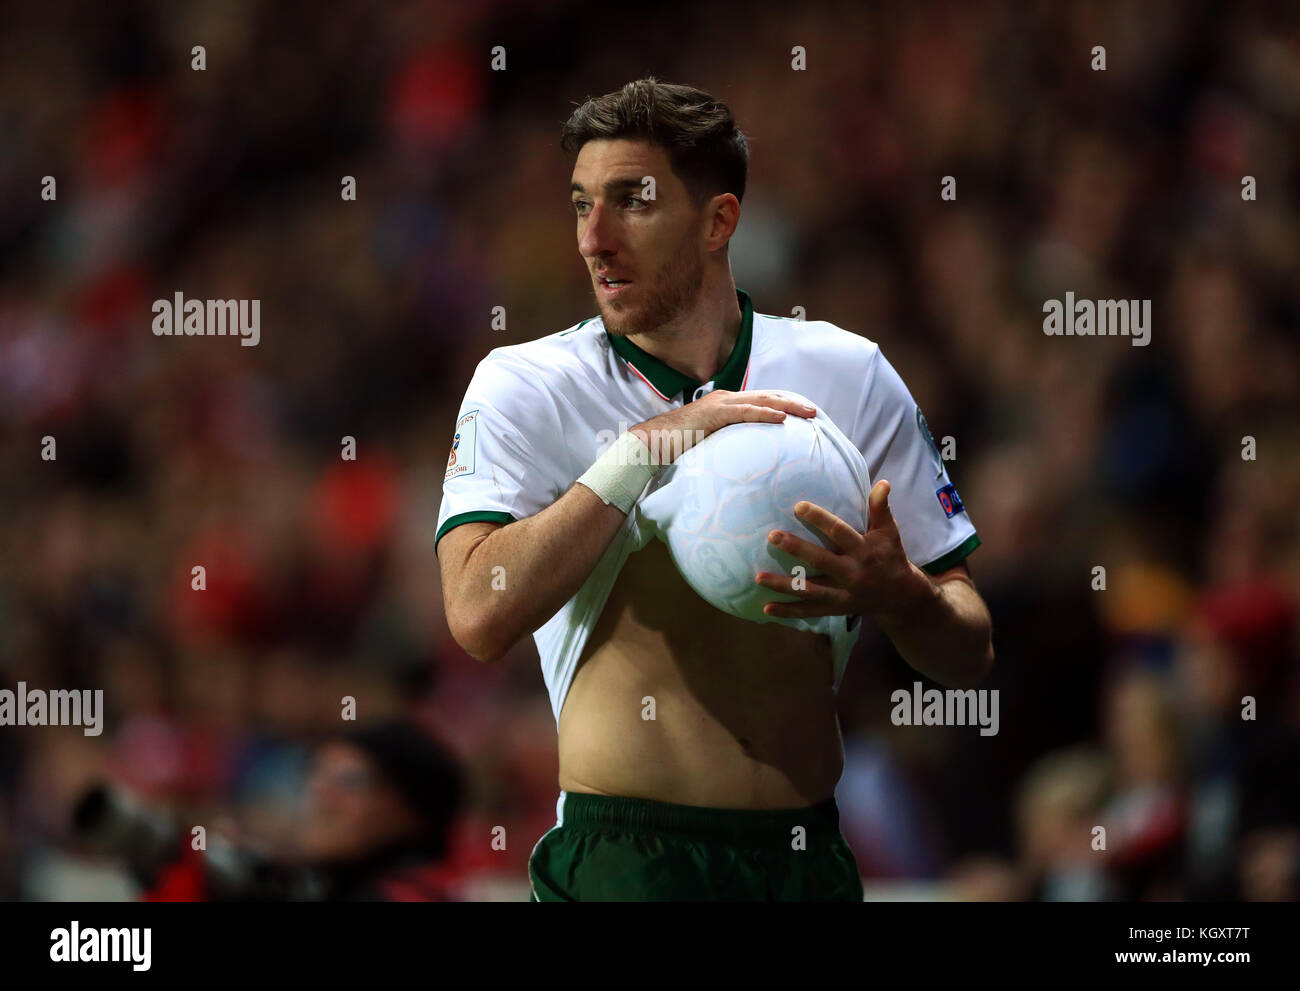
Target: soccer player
{"x": 699, "y": 752}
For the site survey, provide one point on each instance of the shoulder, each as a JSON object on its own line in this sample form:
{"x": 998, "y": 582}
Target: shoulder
{"x": 835, "y": 350}
{"x": 544, "y": 363}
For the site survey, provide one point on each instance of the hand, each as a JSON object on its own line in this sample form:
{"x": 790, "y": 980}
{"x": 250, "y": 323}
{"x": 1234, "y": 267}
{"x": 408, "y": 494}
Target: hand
{"x": 680, "y": 429}
{"x": 870, "y": 574}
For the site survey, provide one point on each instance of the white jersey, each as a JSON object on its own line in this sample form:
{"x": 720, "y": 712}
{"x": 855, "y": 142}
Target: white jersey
{"x": 536, "y": 415}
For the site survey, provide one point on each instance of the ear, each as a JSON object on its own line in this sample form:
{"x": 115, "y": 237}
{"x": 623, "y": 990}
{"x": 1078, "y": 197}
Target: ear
{"x": 723, "y": 216}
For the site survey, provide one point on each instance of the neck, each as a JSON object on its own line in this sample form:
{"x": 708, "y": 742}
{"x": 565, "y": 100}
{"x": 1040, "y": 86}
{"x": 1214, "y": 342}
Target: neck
{"x": 701, "y": 339}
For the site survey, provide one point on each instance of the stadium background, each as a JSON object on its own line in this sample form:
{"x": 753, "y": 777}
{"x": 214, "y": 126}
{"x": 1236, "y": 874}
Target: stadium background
{"x": 1118, "y": 707}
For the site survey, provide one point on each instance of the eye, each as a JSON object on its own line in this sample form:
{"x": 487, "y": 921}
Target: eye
{"x": 579, "y": 204}
{"x": 637, "y": 200}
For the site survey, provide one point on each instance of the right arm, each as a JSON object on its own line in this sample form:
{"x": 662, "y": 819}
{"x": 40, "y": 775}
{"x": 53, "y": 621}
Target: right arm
{"x": 548, "y": 556}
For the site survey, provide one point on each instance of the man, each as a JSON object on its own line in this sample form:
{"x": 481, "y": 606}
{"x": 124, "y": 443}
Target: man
{"x": 381, "y": 800}
{"x": 698, "y": 752}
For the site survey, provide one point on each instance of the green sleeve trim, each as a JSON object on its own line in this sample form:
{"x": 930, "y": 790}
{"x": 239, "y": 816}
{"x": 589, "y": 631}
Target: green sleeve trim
{"x": 953, "y": 557}
{"x": 478, "y": 516}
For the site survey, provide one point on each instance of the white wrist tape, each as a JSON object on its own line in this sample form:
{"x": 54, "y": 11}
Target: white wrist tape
{"x": 620, "y": 475}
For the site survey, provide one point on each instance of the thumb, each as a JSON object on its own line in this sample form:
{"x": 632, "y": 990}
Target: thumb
{"x": 879, "y": 515}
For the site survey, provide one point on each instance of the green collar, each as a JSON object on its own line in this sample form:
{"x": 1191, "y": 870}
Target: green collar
{"x": 670, "y": 383}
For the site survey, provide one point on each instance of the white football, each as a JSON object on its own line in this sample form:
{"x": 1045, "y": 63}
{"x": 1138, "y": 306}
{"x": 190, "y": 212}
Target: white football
{"x": 716, "y": 504}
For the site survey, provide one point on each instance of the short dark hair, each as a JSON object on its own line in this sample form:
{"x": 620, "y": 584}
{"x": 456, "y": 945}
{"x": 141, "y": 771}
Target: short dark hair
{"x": 708, "y": 152}
{"x": 419, "y": 768}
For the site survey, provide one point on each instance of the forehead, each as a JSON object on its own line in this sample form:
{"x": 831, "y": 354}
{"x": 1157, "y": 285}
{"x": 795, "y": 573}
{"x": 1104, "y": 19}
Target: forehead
{"x": 339, "y": 754}
{"x": 603, "y": 159}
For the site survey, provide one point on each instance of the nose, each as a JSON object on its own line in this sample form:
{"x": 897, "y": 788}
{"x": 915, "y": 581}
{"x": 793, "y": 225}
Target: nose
{"x": 597, "y": 237}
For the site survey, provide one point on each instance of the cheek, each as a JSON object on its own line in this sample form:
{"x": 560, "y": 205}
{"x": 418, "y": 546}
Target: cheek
{"x": 336, "y": 810}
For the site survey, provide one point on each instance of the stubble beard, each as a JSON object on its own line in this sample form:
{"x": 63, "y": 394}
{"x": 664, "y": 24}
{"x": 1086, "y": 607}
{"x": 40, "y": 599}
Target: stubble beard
{"x": 679, "y": 282}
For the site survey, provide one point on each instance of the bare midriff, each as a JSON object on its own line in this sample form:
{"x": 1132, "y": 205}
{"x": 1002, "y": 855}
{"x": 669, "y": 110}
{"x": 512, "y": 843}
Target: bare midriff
{"x": 743, "y": 713}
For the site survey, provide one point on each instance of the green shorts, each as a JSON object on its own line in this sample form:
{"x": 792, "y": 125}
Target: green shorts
{"x": 609, "y": 848}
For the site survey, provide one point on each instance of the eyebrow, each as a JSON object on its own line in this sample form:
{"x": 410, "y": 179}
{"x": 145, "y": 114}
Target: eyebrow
{"x": 612, "y": 186}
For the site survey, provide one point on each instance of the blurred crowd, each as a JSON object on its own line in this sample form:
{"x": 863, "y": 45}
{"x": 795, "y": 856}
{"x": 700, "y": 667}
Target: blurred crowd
{"x": 1162, "y": 708}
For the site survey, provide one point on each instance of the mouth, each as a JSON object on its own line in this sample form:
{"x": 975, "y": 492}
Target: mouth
{"x": 613, "y": 287}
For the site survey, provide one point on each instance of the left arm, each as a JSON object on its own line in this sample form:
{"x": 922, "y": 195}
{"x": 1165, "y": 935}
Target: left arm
{"x": 948, "y": 634}
{"x": 939, "y": 624}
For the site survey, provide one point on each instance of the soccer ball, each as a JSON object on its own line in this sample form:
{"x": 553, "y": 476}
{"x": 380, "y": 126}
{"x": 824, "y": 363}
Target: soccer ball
{"x": 716, "y": 504}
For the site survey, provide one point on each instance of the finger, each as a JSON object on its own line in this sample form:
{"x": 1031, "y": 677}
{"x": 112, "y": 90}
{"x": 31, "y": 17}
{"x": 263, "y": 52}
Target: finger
{"x": 843, "y": 536}
{"x": 771, "y": 399}
{"x": 813, "y": 585}
{"x": 879, "y": 515}
{"x": 749, "y": 413}
{"x": 817, "y": 557}
{"x": 838, "y": 605}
